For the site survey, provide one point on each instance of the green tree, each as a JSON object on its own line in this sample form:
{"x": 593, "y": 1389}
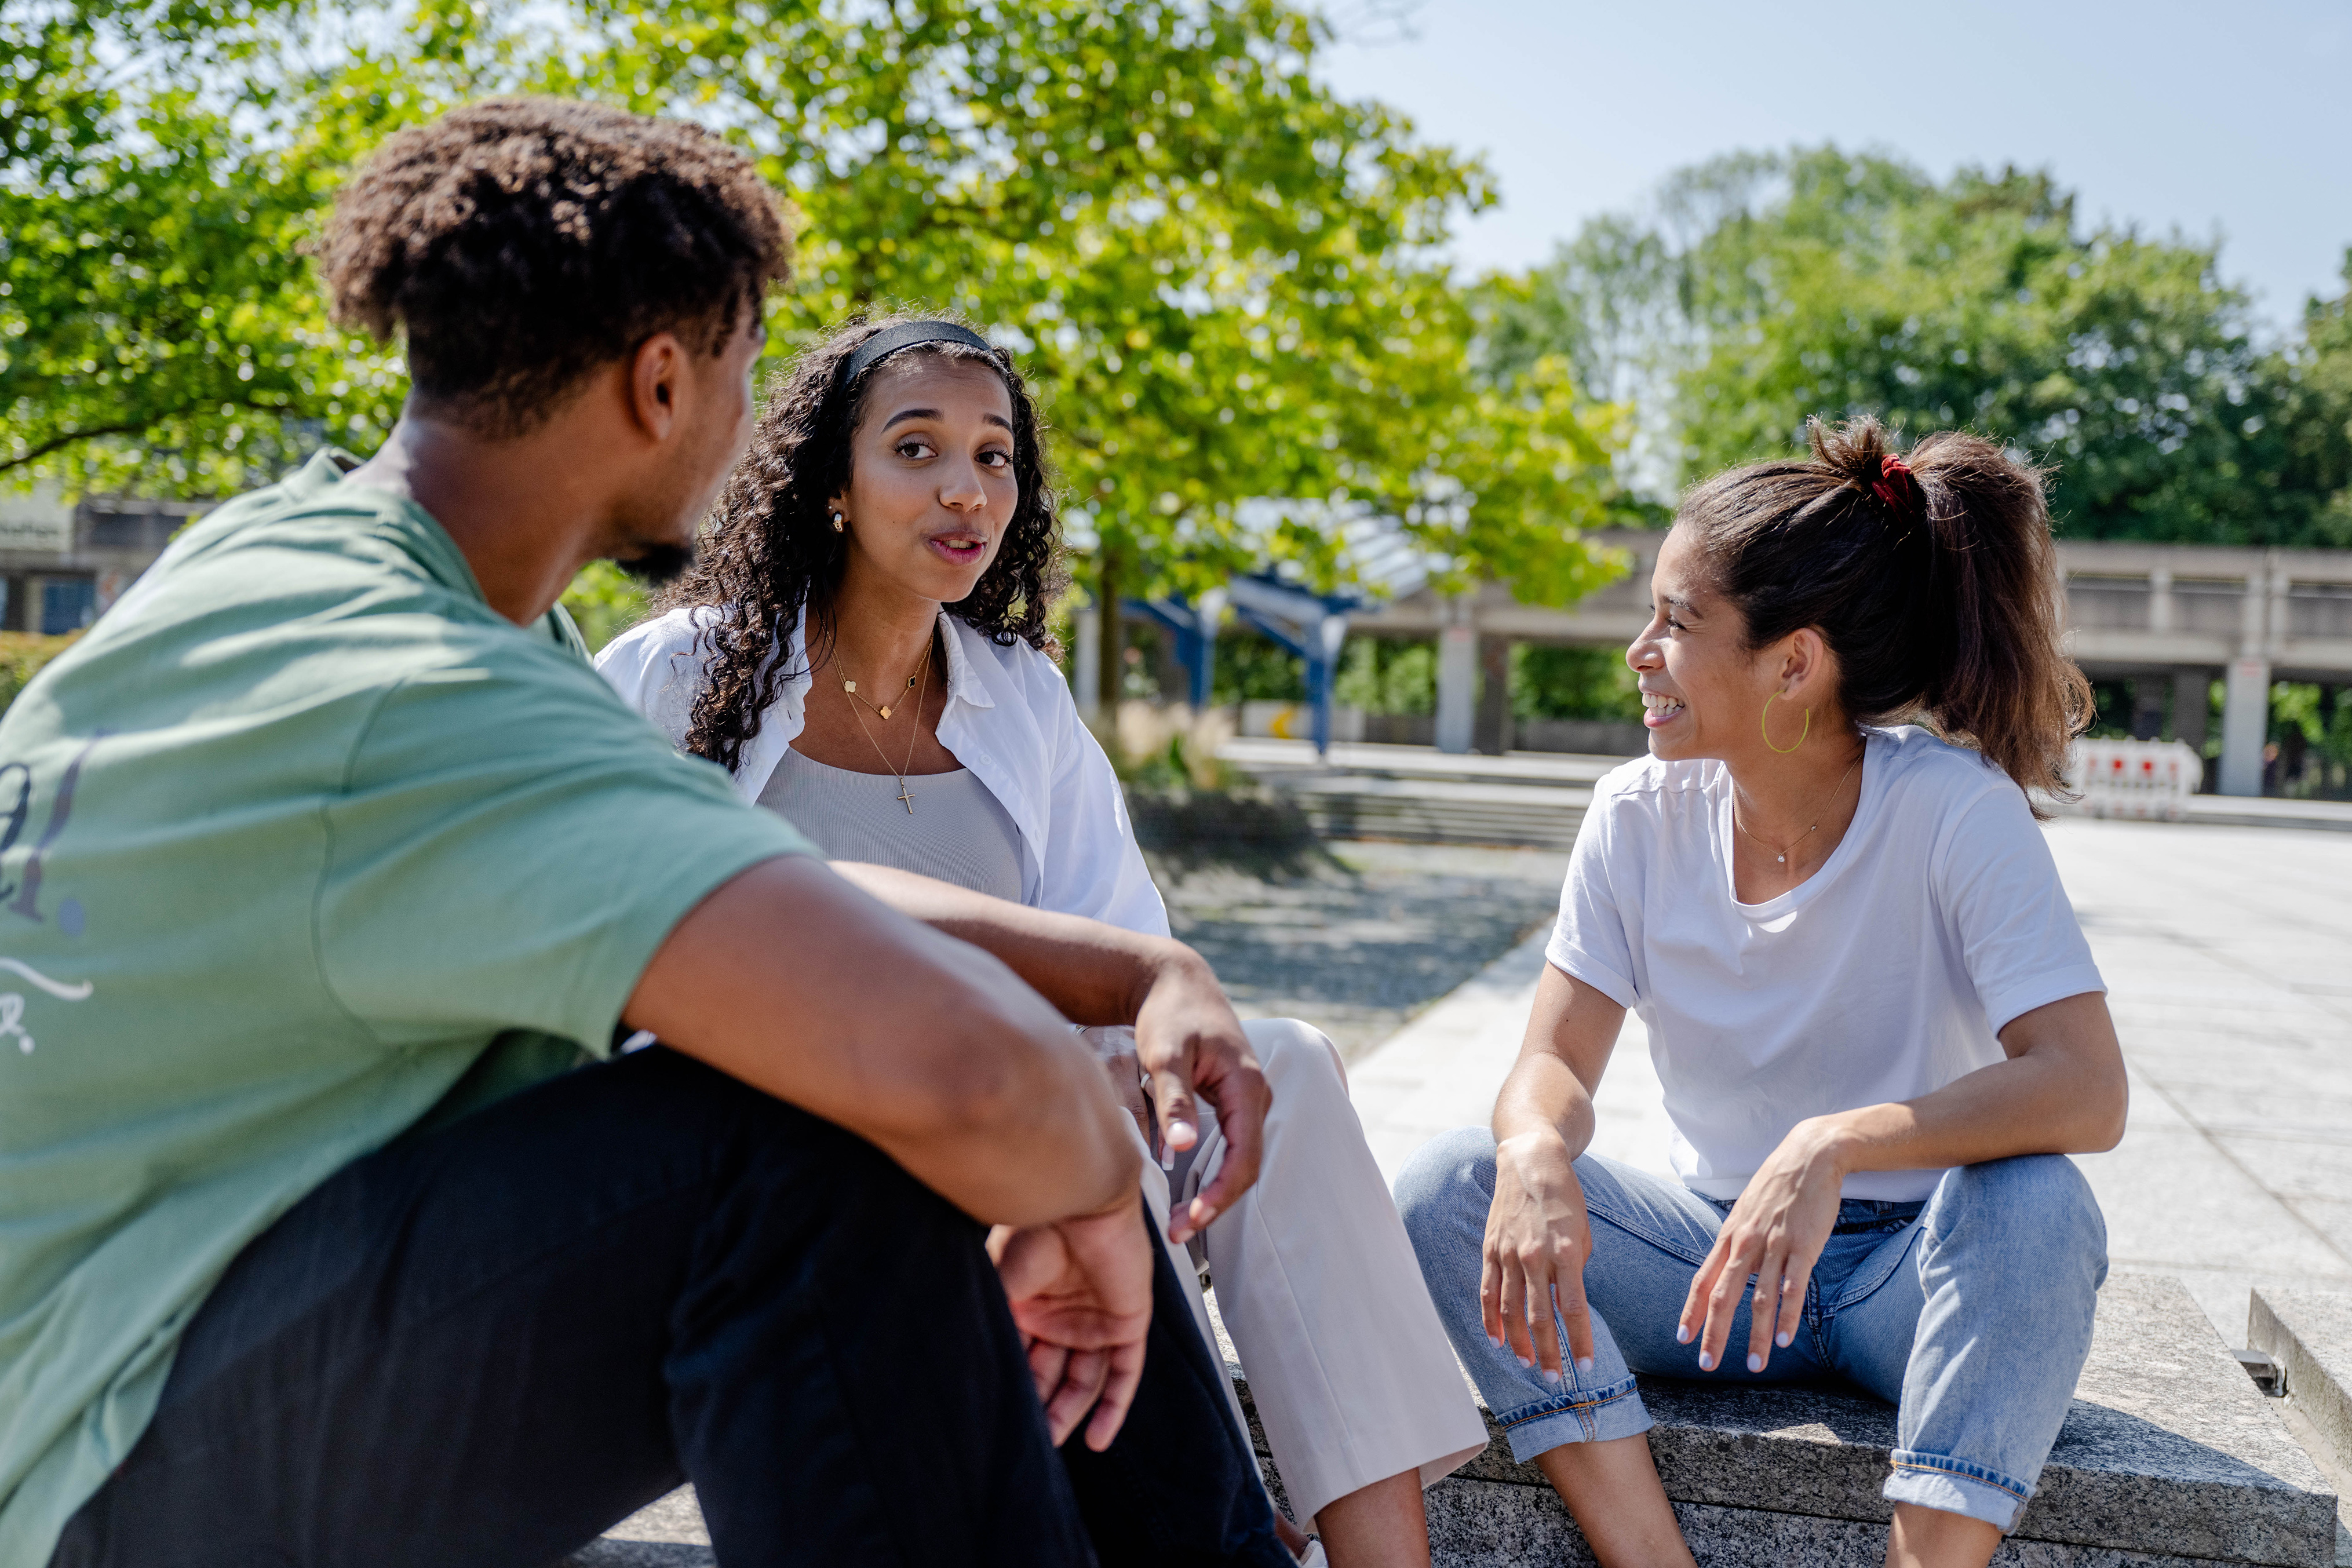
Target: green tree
{"x": 1555, "y": 682}
{"x": 1225, "y": 279}
{"x": 1773, "y": 288}
{"x": 2318, "y": 418}
{"x": 158, "y": 331}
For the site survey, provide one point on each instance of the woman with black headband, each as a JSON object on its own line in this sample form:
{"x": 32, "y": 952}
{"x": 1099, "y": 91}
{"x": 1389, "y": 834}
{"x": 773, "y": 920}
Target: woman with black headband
{"x": 864, "y": 644}
{"x": 1877, "y": 1023}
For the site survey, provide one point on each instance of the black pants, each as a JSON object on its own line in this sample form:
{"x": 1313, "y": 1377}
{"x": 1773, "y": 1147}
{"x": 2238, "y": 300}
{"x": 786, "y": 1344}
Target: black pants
{"x": 487, "y": 1344}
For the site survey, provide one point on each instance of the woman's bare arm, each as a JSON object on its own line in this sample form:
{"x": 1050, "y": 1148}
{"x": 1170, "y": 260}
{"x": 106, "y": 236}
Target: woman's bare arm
{"x": 2061, "y": 1091}
{"x": 1571, "y": 1032}
{"x": 1539, "y": 1237}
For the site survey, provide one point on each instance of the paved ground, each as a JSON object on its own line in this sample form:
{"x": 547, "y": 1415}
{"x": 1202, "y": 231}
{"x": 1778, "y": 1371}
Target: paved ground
{"x": 1359, "y": 939}
{"x": 2229, "y": 955}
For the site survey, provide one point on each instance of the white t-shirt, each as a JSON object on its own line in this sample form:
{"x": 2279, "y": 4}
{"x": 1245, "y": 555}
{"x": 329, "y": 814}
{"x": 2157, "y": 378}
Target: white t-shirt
{"x": 1884, "y": 976}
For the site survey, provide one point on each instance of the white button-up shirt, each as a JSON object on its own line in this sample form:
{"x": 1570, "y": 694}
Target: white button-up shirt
{"x": 1009, "y": 719}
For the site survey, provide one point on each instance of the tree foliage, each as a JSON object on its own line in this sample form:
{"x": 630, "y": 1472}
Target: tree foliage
{"x": 1772, "y": 288}
{"x": 157, "y": 328}
{"x": 1222, "y": 277}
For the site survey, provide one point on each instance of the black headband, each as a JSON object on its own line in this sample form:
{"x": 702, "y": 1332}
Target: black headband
{"x": 906, "y": 335}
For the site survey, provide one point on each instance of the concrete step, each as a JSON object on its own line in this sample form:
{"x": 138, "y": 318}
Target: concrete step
{"x": 2170, "y": 1459}
{"x": 2170, "y": 1456}
{"x": 1436, "y": 811}
{"x": 1417, "y": 795}
{"x": 2308, "y": 1333}
{"x": 1259, "y": 756}
{"x": 667, "y": 1535}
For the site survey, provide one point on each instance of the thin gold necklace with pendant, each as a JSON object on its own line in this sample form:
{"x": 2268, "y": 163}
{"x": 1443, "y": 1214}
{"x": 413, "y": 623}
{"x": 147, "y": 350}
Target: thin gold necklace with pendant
{"x": 906, "y": 795}
{"x": 890, "y": 707}
{"x": 1781, "y": 855}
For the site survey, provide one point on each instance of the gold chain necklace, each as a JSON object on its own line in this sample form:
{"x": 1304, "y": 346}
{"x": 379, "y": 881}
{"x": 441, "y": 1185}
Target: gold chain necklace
{"x": 906, "y": 795}
{"x": 886, "y": 709}
{"x": 1836, "y": 789}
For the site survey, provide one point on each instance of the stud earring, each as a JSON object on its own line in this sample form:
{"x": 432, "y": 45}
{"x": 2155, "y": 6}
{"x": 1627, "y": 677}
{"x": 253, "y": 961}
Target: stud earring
{"x": 836, "y": 522}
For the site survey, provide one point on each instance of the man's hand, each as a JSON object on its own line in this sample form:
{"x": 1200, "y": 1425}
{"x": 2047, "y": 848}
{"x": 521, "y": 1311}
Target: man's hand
{"x": 1190, "y": 1042}
{"x": 1081, "y": 1296}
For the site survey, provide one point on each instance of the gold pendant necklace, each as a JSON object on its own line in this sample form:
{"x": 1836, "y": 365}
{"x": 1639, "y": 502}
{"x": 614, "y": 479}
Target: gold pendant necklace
{"x": 890, "y": 707}
{"x": 1781, "y": 855}
{"x": 906, "y": 796}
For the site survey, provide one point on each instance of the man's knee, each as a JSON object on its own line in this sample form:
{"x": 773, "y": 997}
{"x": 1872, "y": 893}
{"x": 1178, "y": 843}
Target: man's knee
{"x": 778, "y": 1171}
{"x": 1449, "y": 1178}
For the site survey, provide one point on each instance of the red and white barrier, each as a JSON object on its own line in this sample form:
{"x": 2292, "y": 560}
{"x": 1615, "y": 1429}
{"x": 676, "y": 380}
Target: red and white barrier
{"x": 2141, "y": 779}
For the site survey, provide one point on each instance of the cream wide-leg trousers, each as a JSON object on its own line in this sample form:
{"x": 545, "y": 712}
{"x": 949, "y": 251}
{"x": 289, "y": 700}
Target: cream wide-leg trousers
{"x": 1316, "y": 1283}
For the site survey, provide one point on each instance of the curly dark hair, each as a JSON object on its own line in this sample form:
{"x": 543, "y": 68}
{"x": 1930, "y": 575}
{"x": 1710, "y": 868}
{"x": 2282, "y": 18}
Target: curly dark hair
{"x": 519, "y": 243}
{"x": 768, "y": 550}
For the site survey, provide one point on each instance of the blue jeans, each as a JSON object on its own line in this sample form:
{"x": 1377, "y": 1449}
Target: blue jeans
{"x": 1970, "y": 1313}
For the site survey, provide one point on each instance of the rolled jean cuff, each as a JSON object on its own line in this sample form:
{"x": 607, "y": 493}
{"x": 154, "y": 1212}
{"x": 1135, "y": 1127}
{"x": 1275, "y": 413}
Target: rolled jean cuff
{"x": 1955, "y": 1486}
{"x": 1577, "y": 1415}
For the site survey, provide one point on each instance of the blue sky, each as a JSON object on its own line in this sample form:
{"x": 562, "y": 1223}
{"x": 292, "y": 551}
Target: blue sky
{"x": 2233, "y": 119}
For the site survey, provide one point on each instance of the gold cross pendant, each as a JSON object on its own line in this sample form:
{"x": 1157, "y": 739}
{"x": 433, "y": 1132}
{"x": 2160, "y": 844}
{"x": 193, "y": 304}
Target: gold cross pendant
{"x": 906, "y": 795}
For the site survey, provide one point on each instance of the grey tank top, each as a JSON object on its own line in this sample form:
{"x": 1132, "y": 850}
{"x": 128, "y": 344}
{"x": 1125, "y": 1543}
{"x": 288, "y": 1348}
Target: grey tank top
{"x": 958, "y": 831}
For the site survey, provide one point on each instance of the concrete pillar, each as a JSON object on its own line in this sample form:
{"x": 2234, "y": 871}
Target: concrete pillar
{"x": 2159, "y": 601}
{"x": 1457, "y": 685}
{"x": 2245, "y": 724}
{"x": 1088, "y": 674}
{"x": 2191, "y": 701}
{"x": 1491, "y": 733}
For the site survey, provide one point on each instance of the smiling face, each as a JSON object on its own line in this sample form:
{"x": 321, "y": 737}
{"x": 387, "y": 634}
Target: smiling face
{"x": 1703, "y": 688}
{"x": 931, "y": 490}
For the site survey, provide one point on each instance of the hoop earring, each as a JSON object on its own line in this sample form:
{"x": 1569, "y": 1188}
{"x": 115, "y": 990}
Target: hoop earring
{"x": 1765, "y": 724}
{"x": 836, "y": 522}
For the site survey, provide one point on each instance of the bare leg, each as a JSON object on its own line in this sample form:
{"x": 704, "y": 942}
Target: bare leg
{"x": 1291, "y": 1535}
{"x": 1613, "y": 1492}
{"x": 1378, "y": 1526}
{"x": 1931, "y": 1538}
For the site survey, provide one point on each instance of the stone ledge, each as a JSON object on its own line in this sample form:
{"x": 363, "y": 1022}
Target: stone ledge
{"x": 2309, "y": 1334}
{"x": 2169, "y": 1460}
{"x": 2170, "y": 1455}
{"x": 1478, "y": 1524}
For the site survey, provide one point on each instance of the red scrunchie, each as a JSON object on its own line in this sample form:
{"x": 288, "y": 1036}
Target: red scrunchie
{"x": 1895, "y": 487}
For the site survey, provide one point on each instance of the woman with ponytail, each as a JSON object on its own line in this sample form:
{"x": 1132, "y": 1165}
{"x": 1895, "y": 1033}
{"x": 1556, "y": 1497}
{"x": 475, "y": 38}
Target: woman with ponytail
{"x": 1878, "y": 1026}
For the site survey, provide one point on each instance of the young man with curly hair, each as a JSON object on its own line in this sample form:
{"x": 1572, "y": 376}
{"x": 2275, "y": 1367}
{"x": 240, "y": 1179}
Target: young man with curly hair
{"x": 330, "y": 862}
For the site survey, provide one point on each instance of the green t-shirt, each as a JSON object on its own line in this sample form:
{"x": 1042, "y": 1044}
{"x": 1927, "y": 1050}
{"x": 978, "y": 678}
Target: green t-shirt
{"x": 301, "y": 844}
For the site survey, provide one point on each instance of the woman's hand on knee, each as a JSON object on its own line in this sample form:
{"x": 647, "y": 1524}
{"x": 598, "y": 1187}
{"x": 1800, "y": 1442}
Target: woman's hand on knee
{"x": 1776, "y": 1233}
{"x": 1538, "y": 1240}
